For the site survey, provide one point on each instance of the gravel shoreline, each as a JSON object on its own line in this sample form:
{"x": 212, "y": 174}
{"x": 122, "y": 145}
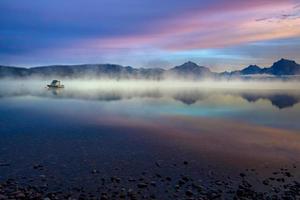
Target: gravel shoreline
{"x": 282, "y": 184}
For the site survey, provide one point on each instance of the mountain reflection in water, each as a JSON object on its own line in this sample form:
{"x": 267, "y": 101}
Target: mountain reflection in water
{"x": 280, "y": 99}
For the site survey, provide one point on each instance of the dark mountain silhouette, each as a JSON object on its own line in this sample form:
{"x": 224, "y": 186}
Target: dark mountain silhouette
{"x": 186, "y": 70}
{"x": 88, "y": 70}
{"x": 283, "y": 67}
{"x": 279, "y": 68}
{"x": 190, "y": 69}
{"x": 6, "y": 71}
{"x": 252, "y": 69}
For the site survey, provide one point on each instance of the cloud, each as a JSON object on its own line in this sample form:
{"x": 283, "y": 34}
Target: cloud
{"x": 214, "y": 28}
{"x": 138, "y": 32}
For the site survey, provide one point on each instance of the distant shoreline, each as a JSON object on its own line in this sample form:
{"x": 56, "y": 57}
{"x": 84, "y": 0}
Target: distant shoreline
{"x": 188, "y": 71}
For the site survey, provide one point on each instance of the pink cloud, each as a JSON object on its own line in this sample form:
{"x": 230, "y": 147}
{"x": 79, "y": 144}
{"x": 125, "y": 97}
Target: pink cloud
{"x": 225, "y": 24}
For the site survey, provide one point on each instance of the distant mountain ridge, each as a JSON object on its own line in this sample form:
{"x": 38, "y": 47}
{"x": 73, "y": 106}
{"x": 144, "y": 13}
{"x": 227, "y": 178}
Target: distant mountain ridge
{"x": 283, "y": 67}
{"x": 189, "y": 70}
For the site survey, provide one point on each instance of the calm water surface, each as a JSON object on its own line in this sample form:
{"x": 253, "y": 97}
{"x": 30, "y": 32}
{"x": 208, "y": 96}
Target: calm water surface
{"x": 123, "y": 132}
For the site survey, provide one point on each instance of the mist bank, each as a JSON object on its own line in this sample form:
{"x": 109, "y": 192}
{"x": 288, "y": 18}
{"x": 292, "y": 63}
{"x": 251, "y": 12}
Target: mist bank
{"x": 283, "y": 69}
{"x": 136, "y": 85}
{"x": 280, "y": 94}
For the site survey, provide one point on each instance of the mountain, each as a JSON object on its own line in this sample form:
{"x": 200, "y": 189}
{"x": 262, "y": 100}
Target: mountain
{"x": 283, "y": 67}
{"x": 6, "y": 71}
{"x": 108, "y": 70}
{"x": 82, "y": 71}
{"x": 188, "y": 70}
{"x": 252, "y": 69}
{"x": 280, "y": 68}
{"x": 192, "y": 70}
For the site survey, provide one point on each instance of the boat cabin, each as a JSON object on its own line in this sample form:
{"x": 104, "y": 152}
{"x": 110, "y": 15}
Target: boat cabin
{"x": 55, "y": 84}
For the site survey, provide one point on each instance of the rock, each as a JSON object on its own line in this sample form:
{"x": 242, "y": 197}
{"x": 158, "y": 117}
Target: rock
{"x": 19, "y": 195}
{"x": 185, "y": 179}
{"x": 130, "y": 192}
{"x": 131, "y": 180}
{"x": 104, "y": 197}
{"x": 153, "y": 183}
{"x": 38, "y": 167}
{"x": 189, "y": 193}
{"x": 181, "y": 182}
{"x": 115, "y": 179}
{"x": 142, "y": 185}
{"x": 265, "y": 182}
{"x": 288, "y": 174}
{"x": 157, "y": 164}
{"x": 219, "y": 183}
{"x": 2, "y": 197}
{"x": 158, "y": 175}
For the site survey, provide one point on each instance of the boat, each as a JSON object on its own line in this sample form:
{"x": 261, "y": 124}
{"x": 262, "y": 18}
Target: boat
{"x": 55, "y": 84}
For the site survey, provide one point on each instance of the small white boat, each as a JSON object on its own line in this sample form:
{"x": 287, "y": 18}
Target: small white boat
{"x": 55, "y": 84}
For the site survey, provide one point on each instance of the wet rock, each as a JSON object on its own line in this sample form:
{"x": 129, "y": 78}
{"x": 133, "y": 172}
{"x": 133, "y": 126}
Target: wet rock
{"x": 122, "y": 193}
{"x": 288, "y": 174}
{"x": 219, "y": 183}
{"x": 19, "y": 195}
{"x": 158, "y": 175}
{"x": 142, "y": 185}
{"x": 38, "y": 167}
{"x": 153, "y": 183}
{"x": 280, "y": 180}
{"x": 185, "y": 178}
{"x": 115, "y": 179}
{"x": 189, "y": 193}
{"x": 265, "y": 182}
{"x": 131, "y": 180}
{"x": 104, "y": 197}
{"x": 181, "y": 182}
{"x": 157, "y": 163}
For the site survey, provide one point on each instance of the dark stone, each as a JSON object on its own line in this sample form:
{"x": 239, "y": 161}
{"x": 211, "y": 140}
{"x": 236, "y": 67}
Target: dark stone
{"x": 142, "y": 185}
{"x": 189, "y": 193}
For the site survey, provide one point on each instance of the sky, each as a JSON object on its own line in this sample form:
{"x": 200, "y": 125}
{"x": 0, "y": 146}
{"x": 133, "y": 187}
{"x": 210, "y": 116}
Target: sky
{"x": 219, "y": 34}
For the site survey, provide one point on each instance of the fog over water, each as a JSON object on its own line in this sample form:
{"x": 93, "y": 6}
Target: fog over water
{"x": 238, "y": 100}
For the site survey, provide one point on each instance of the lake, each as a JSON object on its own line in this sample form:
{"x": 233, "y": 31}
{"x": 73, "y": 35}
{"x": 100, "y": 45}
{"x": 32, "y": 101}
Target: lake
{"x": 152, "y": 140}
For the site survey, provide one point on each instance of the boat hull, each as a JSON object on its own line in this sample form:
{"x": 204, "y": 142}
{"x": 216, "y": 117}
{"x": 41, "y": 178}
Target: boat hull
{"x": 51, "y": 86}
